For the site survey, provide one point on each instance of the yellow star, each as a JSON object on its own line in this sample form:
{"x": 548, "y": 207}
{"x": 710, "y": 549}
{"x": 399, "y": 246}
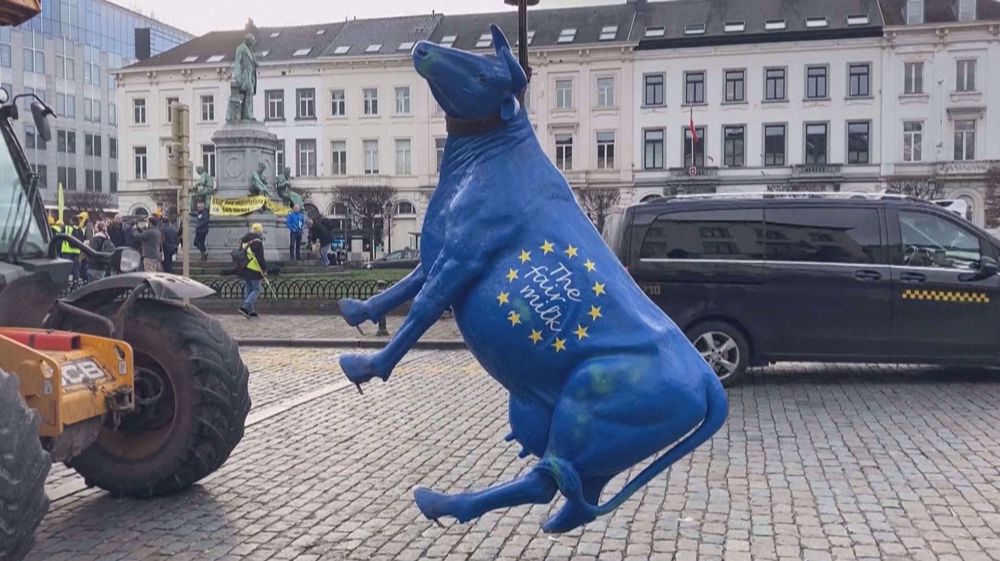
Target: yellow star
{"x": 511, "y": 275}
{"x": 570, "y": 251}
{"x": 547, "y": 247}
{"x": 598, "y": 289}
{"x": 504, "y": 298}
{"x": 514, "y": 318}
{"x": 559, "y": 345}
{"x": 581, "y": 332}
{"x": 525, "y": 256}
{"x": 535, "y": 336}
{"x": 595, "y": 312}
{"x": 590, "y": 265}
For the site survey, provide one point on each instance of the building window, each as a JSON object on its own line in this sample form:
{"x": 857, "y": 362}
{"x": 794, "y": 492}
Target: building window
{"x": 207, "y": 108}
{"x": 5, "y": 55}
{"x": 564, "y": 94}
{"x": 859, "y": 142}
{"x": 43, "y": 175}
{"x": 606, "y": 92}
{"x": 965, "y": 80}
{"x": 113, "y": 182}
{"x": 694, "y": 149}
{"x": 32, "y": 140}
{"x": 774, "y": 145}
{"x": 965, "y": 140}
{"x": 92, "y": 145}
{"x": 371, "y": 156}
{"x": 66, "y": 142}
{"x": 170, "y": 102}
{"x": 338, "y": 101}
{"x": 735, "y": 86}
{"x": 913, "y": 140}
{"x": 112, "y": 112}
{"x": 966, "y": 10}
{"x": 370, "y": 96}
{"x": 439, "y": 144}
{"x": 66, "y": 176}
{"x": 564, "y": 151}
{"x": 816, "y": 143}
{"x": 279, "y": 155}
{"x": 65, "y": 64}
{"x": 774, "y": 84}
{"x": 140, "y": 162}
{"x": 913, "y": 78}
{"x": 208, "y": 158}
{"x": 139, "y": 111}
{"x": 112, "y": 148}
{"x": 305, "y": 150}
{"x": 914, "y": 12}
{"x": 816, "y": 82}
{"x": 34, "y": 61}
{"x": 653, "y": 94}
{"x": 403, "y": 100}
{"x": 734, "y": 146}
{"x": 338, "y": 157}
{"x": 605, "y": 150}
{"x": 92, "y": 181}
{"x": 652, "y": 152}
{"x": 403, "y": 156}
{"x": 859, "y": 80}
{"x": 275, "y": 102}
{"x": 305, "y": 102}
{"x": 694, "y": 87}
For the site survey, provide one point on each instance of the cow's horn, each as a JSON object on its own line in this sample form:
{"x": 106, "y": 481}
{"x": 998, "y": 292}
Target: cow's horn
{"x": 518, "y": 79}
{"x": 499, "y": 39}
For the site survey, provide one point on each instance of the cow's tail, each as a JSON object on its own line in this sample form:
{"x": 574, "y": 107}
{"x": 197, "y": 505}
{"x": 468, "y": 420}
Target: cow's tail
{"x": 717, "y": 409}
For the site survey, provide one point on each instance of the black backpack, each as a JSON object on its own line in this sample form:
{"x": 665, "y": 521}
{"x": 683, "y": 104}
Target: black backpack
{"x": 240, "y": 258}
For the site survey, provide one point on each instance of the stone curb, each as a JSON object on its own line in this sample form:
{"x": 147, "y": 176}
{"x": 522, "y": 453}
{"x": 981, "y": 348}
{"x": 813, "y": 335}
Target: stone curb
{"x": 429, "y": 344}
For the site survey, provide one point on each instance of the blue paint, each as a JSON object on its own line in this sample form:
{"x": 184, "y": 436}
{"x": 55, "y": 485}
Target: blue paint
{"x": 599, "y": 378}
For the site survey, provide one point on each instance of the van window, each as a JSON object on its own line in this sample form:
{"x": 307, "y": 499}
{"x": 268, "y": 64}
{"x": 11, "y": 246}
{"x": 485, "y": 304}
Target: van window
{"x": 932, "y": 241}
{"x": 736, "y": 234}
{"x": 823, "y": 235}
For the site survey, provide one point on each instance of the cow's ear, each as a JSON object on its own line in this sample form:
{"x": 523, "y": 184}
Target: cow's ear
{"x": 518, "y": 79}
{"x": 510, "y": 108}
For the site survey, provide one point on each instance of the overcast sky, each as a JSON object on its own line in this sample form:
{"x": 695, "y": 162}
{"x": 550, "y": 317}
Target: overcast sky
{"x": 202, "y": 16}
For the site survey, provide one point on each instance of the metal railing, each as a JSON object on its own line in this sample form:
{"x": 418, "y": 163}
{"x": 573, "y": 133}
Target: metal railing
{"x": 286, "y": 289}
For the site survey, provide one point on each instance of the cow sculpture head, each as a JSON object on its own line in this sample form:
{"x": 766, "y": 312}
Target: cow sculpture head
{"x": 471, "y": 86}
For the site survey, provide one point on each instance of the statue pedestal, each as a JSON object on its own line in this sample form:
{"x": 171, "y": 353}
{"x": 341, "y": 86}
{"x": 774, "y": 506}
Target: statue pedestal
{"x": 239, "y": 147}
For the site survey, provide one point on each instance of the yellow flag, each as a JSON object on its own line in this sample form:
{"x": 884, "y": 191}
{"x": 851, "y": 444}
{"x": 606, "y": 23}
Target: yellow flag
{"x": 60, "y": 202}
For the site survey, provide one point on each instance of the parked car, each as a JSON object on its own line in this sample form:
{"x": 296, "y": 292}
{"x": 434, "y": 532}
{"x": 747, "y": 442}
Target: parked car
{"x": 757, "y": 279}
{"x": 402, "y": 259}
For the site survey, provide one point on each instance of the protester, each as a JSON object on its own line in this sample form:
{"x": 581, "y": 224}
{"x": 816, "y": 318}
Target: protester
{"x": 203, "y": 219}
{"x": 148, "y": 236}
{"x": 102, "y": 243}
{"x": 322, "y": 231}
{"x": 255, "y": 269}
{"x": 296, "y": 223}
{"x": 66, "y": 250}
{"x": 170, "y": 241}
{"x": 116, "y": 231}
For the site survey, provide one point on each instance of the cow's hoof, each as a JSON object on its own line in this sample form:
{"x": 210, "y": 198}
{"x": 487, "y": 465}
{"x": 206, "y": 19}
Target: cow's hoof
{"x": 572, "y": 515}
{"x": 357, "y": 368}
{"x": 353, "y": 311}
{"x": 431, "y": 504}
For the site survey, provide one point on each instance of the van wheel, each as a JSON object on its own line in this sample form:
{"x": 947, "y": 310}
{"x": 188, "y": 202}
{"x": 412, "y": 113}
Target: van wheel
{"x": 724, "y": 348}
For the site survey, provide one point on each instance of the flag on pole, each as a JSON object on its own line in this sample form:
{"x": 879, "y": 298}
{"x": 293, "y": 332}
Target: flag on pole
{"x": 694, "y": 132}
{"x": 60, "y": 202}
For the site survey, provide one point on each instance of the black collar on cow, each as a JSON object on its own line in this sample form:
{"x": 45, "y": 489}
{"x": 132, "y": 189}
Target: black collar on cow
{"x": 474, "y": 127}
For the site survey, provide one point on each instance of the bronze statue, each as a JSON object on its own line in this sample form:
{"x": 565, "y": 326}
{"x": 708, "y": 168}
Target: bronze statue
{"x": 244, "y": 83}
{"x": 204, "y": 188}
{"x": 258, "y": 185}
{"x": 283, "y": 185}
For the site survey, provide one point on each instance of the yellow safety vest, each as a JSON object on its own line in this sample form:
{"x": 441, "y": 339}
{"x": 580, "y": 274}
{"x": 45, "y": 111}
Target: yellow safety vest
{"x": 252, "y": 264}
{"x": 68, "y": 249}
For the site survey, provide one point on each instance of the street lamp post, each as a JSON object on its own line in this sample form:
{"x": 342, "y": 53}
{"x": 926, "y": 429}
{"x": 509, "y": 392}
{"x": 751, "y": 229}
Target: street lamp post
{"x": 522, "y": 33}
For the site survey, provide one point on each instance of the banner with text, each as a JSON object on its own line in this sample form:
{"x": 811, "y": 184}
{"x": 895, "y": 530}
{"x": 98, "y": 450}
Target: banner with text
{"x": 247, "y": 205}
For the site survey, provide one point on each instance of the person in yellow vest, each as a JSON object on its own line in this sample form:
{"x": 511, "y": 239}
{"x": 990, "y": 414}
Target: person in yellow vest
{"x": 255, "y": 270}
{"x": 66, "y": 250}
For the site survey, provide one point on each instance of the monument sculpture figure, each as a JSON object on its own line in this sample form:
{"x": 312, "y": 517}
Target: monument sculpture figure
{"x": 204, "y": 187}
{"x": 283, "y": 186}
{"x": 258, "y": 185}
{"x": 244, "y": 83}
{"x": 599, "y": 377}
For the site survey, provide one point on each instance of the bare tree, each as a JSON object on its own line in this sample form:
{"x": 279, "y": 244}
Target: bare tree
{"x": 598, "y": 203}
{"x": 992, "y": 204}
{"x": 917, "y": 186}
{"x": 91, "y": 202}
{"x": 371, "y": 206}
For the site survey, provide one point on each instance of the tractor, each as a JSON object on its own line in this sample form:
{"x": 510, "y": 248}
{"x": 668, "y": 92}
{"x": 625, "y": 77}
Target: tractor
{"x": 123, "y": 380}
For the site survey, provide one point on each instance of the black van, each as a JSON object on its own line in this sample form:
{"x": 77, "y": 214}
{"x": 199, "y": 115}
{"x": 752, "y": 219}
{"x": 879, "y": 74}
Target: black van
{"x": 754, "y": 279}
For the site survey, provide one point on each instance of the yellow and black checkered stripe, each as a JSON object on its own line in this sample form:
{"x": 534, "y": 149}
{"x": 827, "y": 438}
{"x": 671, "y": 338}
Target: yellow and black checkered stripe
{"x": 958, "y": 296}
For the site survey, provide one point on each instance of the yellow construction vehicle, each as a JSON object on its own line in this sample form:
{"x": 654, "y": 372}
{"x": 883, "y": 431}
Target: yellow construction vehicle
{"x": 138, "y": 391}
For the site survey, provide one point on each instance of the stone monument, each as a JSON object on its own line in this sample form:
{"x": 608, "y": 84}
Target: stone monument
{"x": 245, "y": 152}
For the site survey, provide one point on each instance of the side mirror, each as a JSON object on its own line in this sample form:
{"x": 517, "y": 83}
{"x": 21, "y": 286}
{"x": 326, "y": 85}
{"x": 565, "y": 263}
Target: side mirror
{"x": 988, "y": 267}
{"x": 40, "y": 114}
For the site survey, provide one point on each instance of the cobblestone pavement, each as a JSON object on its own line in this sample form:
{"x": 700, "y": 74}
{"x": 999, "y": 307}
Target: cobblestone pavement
{"x": 322, "y": 327}
{"x": 815, "y": 463}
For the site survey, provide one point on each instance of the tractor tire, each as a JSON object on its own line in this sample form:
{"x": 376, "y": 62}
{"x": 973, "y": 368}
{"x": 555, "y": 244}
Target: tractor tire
{"x": 24, "y": 465}
{"x": 191, "y": 404}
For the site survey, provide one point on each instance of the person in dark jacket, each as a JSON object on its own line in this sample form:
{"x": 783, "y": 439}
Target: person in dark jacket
{"x": 149, "y": 237}
{"x": 323, "y": 232}
{"x": 254, "y": 274}
{"x": 170, "y": 239}
{"x": 116, "y": 231}
{"x": 202, "y": 223}
{"x": 102, "y": 243}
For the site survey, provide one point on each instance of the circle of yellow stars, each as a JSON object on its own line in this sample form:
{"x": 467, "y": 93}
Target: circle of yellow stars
{"x": 582, "y": 332}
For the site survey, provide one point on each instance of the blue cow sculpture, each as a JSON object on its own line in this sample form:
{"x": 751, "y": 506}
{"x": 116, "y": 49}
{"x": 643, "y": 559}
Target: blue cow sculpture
{"x": 599, "y": 377}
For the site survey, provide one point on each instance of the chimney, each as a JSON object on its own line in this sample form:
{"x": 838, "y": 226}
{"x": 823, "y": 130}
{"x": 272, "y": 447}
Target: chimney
{"x": 143, "y": 44}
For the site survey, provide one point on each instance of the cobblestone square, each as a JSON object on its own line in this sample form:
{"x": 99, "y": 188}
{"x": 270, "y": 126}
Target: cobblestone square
{"x": 815, "y": 463}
